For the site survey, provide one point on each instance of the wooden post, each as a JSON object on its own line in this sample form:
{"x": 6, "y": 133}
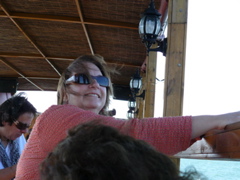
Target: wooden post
{"x": 141, "y": 101}
{"x": 140, "y": 108}
{"x": 150, "y": 83}
{"x": 175, "y": 59}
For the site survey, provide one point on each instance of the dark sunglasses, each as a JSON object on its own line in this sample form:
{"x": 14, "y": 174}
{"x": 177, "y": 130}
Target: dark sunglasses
{"x": 83, "y": 79}
{"x": 20, "y": 125}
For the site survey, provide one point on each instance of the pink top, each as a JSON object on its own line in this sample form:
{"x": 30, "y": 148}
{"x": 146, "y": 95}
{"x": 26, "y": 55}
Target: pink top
{"x": 169, "y": 135}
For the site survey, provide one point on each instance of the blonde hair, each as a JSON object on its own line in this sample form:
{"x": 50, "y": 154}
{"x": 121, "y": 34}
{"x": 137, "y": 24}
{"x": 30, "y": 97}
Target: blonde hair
{"x": 78, "y": 66}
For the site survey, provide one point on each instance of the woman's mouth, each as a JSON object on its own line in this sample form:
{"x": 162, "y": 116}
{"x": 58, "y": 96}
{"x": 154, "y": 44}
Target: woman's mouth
{"x": 93, "y": 95}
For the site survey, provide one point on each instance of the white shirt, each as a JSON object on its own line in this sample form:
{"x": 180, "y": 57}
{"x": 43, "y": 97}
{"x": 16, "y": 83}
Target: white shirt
{"x": 21, "y": 142}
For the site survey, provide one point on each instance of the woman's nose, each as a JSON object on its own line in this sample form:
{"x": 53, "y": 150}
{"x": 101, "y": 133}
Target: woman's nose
{"x": 94, "y": 83}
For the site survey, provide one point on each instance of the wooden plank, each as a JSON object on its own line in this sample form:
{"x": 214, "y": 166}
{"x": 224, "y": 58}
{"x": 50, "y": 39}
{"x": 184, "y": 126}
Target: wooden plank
{"x": 97, "y": 22}
{"x": 19, "y": 73}
{"x": 150, "y": 83}
{"x": 216, "y": 144}
{"x": 177, "y": 11}
{"x": 17, "y": 24}
{"x": 140, "y": 109}
{"x": 175, "y": 68}
{"x": 175, "y": 60}
{"x": 141, "y": 101}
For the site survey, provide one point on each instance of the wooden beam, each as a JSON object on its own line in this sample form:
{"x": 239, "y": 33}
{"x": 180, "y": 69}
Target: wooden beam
{"x": 111, "y": 24}
{"x": 76, "y": 20}
{"x": 141, "y": 101}
{"x": 150, "y": 83}
{"x": 42, "y": 78}
{"x": 84, "y": 26}
{"x": 175, "y": 59}
{"x": 20, "y": 74}
{"x": 216, "y": 144}
{"x": 70, "y": 59}
{"x": 28, "y": 37}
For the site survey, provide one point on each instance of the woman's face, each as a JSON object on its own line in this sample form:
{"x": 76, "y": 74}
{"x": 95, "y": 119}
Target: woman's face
{"x": 91, "y": 97}
{"x": 11, "y": 132}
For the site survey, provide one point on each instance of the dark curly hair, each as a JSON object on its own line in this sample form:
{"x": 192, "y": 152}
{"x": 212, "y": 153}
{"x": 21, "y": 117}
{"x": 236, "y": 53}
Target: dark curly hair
{"x": 97, "y": 152}
{"x": 15, "y": 106}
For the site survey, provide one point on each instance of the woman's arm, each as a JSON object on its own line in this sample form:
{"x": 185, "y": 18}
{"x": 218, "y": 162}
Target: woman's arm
{"x": 8, "y": 173}
{"x": 202, "y": 124}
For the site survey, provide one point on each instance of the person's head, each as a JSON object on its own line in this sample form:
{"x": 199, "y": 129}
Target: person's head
{"x": 98, "y": 152}
{"x": 86, "y": 83}
{"x": 16, "y": 115}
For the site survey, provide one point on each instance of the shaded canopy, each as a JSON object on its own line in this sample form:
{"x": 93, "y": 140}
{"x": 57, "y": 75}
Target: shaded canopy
{"x": 40, "y": 38}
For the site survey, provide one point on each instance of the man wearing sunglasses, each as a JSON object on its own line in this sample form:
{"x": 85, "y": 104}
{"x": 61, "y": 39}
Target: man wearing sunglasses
{"x": 16, "y": 115}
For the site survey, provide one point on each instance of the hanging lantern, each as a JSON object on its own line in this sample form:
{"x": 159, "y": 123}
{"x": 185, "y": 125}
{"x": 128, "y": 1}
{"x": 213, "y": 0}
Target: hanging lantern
{"x": 150, "y": 25}
{"x": 130, "y": 114}
{"x": 136, "y": 82}
{"x": 132, "y": 104}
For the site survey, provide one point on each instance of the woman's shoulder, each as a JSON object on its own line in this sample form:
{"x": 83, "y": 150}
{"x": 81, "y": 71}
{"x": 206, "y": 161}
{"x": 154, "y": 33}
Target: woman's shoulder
{"x": 60, "y": 112}
{"x": 66, "y": 108}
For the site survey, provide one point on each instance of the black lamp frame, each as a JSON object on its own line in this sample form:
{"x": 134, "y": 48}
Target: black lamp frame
{"x": 149, "y": 39}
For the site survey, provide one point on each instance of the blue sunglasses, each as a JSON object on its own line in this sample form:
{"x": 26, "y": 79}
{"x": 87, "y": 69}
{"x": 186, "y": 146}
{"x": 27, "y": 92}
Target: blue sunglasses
{"x": 84, "y": 79}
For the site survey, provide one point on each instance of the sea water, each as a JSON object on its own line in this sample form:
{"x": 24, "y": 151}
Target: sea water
{"x": 214, "y": 169}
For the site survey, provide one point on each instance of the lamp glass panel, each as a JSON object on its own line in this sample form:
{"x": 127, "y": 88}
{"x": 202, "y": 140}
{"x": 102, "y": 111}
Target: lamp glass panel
{"x": 130, "y": 114}
{"x": 139, "y": 82}
{"x": 141, "y": 26}
{"x": 150, "y": 25}
{"x": 153, "y": 25}
{"x": 158, "y": 27}
{"x": 136, "y": 83}
{"x": 132, "y": 104}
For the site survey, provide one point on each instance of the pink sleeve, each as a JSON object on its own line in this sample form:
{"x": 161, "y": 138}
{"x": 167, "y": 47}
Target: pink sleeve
{"x": 169, "y": 135}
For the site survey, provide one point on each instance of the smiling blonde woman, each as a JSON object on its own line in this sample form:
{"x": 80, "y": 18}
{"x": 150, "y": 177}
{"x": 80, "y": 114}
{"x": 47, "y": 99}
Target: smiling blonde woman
{"x": 83, "y": 95}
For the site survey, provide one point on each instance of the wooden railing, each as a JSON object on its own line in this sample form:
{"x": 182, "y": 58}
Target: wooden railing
{"x": 216, "y": 144}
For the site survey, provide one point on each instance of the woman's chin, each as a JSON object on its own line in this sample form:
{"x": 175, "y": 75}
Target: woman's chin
{"x": 93, "y": 108}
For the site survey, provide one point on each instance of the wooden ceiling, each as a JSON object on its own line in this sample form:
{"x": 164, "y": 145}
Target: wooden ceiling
{"x": 39, "y": 38}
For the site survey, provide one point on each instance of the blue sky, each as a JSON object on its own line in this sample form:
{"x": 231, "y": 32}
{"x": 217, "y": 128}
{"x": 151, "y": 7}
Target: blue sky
{"x": 212, "y": 60}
